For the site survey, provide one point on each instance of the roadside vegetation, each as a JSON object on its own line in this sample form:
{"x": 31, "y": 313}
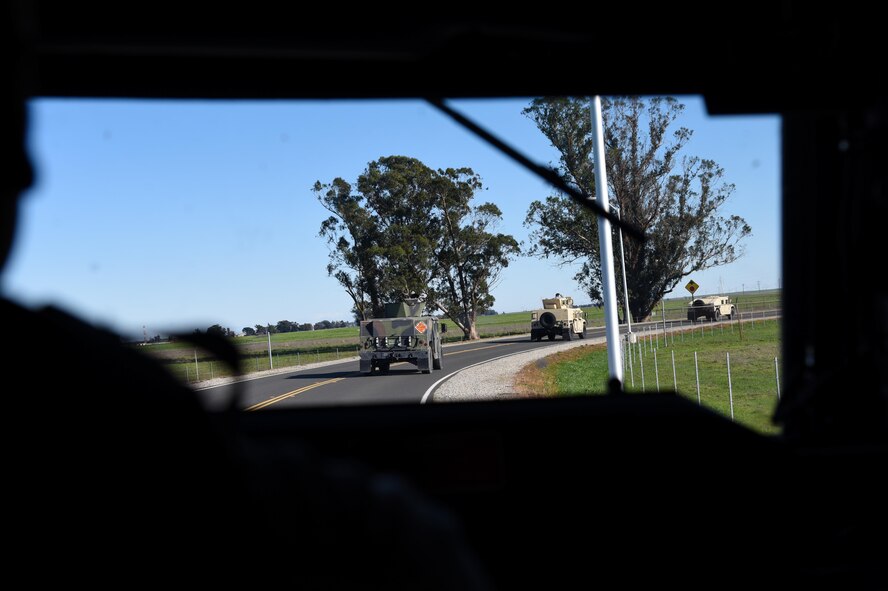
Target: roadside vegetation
{"x": 753, "y": 386}
{"x": 291, "y": 349}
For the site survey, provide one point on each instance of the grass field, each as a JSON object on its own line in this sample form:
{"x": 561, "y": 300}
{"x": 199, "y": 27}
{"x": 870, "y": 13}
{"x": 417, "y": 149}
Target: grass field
{"x": 299, "y": 348}
{"x": 753, "y": 385}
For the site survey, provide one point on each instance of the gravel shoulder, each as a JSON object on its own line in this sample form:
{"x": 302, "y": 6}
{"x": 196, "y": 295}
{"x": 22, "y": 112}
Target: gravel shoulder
{"x": 494, "y": 380}
{"x": 491, "y": 380}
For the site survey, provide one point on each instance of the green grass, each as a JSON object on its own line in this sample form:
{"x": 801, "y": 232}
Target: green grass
{"x": 746, "y": 303}
{"x": 298, "y": 348}
{"x": 753, "y": 381}
{"x": 206, "y": 368}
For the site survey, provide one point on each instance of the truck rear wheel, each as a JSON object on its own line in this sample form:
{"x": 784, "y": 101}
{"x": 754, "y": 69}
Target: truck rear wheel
{"x": 436, "y": 360}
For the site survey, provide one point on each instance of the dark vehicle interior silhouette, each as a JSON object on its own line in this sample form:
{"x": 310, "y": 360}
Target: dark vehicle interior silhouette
{"x": 611, "y": 491}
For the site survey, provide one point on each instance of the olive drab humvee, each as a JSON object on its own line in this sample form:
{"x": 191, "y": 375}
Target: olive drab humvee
{"x": 558, "y": 317}
{"x": 404, "y": 335}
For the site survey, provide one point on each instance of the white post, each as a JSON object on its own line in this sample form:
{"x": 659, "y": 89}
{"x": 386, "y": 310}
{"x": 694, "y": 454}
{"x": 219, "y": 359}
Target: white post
{"x": 641, "y": 361}
{"x": 609, "y": 292}
{"x": 777, "y": 376}
{"x": 631, "y": 359}
{"x": 665, "y": 333}
{"x": 657, "y": 370}
{"x": 697, "y": 373}
{"x": 674, "y": 378}
{"x": 268, "y": 332}
{"x": 730, "y": 390}
{"x": 196, "y": 366}
{"x": 623, "y": 344}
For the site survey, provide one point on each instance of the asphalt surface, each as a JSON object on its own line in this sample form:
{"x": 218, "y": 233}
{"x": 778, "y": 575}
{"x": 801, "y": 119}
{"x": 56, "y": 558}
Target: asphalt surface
{"x": 478, "y": 370}
{"x": 340, "y": 382}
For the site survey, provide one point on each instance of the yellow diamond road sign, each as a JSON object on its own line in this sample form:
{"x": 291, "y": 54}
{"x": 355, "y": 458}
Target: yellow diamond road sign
{"x": 691, "y": 286}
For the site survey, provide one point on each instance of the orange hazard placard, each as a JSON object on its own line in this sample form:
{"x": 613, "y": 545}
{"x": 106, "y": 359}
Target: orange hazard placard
{"x": 420, "y": 327}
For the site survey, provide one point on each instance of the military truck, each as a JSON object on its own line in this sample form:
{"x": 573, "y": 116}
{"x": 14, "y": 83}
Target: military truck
{"x": 713, "y": 308}
{"x": 404, "y": 335}
{"x": 558, "y": 317}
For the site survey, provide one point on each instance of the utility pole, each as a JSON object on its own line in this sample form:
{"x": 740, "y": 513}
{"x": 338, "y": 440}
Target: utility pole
{"x": 609, "y": 292}
{"x": 270, "y": 360}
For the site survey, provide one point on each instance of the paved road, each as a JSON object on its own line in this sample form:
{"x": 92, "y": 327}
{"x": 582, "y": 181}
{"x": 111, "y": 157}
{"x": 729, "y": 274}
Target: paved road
{"x": 340, "y": 383}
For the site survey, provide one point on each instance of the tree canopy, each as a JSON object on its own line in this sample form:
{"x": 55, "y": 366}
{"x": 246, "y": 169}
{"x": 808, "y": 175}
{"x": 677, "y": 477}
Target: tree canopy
{"x": 405, "y": 228}
{"x": 673, "y": 198}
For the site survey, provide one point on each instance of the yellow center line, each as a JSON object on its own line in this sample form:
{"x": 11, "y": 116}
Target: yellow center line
{"x": 280, "y": 397}
{"x": 296, "y": 392}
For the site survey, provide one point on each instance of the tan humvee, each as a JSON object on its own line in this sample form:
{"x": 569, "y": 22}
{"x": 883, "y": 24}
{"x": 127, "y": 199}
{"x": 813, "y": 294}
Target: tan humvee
{"x": 711, "y": 307}
{"x": 558, "y": 316}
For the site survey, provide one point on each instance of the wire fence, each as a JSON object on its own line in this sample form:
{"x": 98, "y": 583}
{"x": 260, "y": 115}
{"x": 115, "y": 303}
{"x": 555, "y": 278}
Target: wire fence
{"x": 697, "y": 361}
{"x": 200, "y": 366}
{"x": 204, "y": 367}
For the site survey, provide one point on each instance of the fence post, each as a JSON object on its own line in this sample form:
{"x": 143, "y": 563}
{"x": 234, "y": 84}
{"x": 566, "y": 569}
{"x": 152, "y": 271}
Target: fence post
{"x": 697, "y": 373}
{"x": 656, "y": 370}
{"x": 623, "y": 341}
{"x": 631, "y": 360}
{"x": 730, "y": 389}
{"x": 641, "y": 361}
{"x": 777, "y": 376}
{"x": 196, "y": 366}
{"x": 674, "y": 378}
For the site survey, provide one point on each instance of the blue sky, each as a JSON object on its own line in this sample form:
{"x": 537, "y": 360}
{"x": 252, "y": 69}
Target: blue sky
{"x": 172, "y": 215}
